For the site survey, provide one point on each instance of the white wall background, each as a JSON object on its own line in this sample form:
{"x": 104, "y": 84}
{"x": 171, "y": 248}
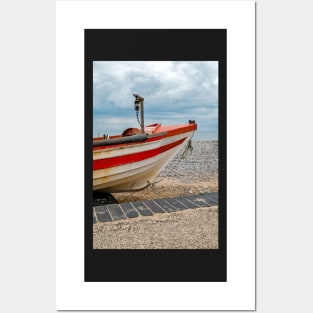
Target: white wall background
{"x": 284, "y": 154}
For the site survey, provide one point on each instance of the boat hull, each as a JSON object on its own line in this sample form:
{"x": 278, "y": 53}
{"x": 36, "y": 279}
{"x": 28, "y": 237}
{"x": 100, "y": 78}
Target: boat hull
{"x": 131, "y": 167}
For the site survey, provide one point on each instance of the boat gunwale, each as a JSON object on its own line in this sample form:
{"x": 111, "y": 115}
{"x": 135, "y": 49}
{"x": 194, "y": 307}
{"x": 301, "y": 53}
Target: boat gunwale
{"x": 179, "y": 129}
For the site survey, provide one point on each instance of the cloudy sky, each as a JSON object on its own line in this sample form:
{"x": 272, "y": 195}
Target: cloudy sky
{"x": 174, "y": 93}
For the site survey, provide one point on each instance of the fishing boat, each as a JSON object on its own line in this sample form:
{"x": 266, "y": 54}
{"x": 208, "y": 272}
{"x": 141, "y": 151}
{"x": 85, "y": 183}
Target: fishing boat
{"x": 132, "y": 160}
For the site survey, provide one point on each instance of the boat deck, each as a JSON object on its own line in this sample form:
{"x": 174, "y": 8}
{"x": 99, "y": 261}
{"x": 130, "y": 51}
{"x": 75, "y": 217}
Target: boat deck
{"x": 122, "y": 211}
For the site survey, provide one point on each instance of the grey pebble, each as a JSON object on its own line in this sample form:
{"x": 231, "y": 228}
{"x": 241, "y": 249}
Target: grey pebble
{"x": 201, "y": 163}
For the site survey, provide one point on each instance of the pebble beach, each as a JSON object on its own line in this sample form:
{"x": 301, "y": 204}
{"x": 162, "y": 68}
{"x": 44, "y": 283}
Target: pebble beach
{"x": 195, "y": 173}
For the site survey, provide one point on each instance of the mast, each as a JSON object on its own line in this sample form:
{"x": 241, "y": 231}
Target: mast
{"x": 139, "y": 106}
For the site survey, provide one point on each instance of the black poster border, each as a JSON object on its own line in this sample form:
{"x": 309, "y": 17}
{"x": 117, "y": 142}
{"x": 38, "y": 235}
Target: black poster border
{"x": 155, "y": 265}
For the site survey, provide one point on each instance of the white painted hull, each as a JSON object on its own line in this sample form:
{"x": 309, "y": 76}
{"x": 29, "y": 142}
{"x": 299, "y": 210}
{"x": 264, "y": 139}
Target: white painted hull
{"x": 135, "y": 175}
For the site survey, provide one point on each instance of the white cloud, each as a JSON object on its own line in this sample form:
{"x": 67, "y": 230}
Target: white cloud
{"x": 174, "y": 91}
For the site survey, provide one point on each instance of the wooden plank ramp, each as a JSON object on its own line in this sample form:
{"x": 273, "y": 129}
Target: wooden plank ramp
{"x": 129, "y": 210}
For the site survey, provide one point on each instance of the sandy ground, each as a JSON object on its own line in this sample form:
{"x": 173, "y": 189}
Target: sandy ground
{"x": 189, "y": 229}
{"x": 169, "y": 188}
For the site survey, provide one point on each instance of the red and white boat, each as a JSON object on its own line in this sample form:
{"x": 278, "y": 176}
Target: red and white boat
{"x": 131, "y": 161}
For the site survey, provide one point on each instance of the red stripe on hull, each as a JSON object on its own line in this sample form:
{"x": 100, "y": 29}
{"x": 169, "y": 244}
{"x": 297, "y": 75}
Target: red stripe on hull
{"x": 135, "y": 157}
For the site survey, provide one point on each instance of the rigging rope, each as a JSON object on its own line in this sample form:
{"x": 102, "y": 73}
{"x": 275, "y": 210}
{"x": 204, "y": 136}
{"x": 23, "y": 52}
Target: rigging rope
{"x": 137, "y": 114}
{"x": 188, "y": 148}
